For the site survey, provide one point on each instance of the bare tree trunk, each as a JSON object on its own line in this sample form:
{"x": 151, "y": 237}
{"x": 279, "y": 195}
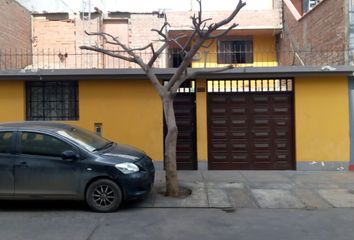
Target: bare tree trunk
{"x": 172, "y": 188}
{"x": 201, "y": 33}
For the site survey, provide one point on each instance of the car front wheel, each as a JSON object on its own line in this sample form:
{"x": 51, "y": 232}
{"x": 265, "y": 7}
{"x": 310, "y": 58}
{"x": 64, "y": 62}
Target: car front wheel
{"x": 104, "y": 195}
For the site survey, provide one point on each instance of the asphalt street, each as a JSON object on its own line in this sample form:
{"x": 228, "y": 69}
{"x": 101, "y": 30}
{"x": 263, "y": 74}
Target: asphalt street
{"x": 242, "y": 205}
{"x": 60, "y": 220}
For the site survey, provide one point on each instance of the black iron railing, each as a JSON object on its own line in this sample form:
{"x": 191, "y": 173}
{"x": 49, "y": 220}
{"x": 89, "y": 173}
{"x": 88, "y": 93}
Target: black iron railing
{"x": 15, "y": 59}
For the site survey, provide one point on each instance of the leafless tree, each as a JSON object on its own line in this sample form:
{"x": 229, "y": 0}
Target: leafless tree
{"x": 202, "y": 32}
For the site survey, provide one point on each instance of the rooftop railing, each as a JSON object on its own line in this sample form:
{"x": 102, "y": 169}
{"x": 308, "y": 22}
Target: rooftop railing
{"x": 62, "y": 59}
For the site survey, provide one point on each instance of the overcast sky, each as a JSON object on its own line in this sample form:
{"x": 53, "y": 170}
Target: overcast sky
{"x": 131, "y": 5}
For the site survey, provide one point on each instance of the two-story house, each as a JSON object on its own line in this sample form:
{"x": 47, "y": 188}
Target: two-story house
{"x": 273, "y": 111}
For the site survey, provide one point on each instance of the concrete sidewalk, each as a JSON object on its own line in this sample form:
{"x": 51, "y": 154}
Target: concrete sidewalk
{"x": 257, "y": 189}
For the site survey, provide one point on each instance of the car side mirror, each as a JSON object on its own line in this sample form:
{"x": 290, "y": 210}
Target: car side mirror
{"x": 69, "y": 155}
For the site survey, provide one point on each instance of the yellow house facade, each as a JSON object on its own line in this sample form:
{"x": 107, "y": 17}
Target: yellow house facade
{"x": 128, "y": 110}
{"x": 257, "y": 116}
{"x": 262, "y": 50}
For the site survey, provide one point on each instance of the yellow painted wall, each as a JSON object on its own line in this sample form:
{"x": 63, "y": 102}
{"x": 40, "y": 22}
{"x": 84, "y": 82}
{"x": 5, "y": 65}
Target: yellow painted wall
{"x": 201, "y": 112}
{"x": 264, "y": 51}
{"x": 12, "y": 101}
{"x": 321, "y": 119}
{"x": 130, "y": 111}
{"x": 263, "y": 47}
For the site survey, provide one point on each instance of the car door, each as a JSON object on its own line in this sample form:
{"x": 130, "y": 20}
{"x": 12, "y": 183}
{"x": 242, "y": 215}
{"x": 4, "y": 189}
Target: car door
{"x": 7, "y": 158}
{"x": 40, "y": 169}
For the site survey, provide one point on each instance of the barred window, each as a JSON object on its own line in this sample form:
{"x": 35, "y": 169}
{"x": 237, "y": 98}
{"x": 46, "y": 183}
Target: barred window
{"x": 176, "y": 57}
{"x": 52, "y": 100}
{"x": 235, "y": 51}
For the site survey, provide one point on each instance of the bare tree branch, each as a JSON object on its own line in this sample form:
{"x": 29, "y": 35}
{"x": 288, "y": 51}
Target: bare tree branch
{"x": 202, "y": 33}
{"x": 116, "y": 41}
{"x": 126, "y": 49}
{"x": 208, "y": 46}
{"x": 134, "y": 57}
{"x": 214, "y": 36}
{"x": 144, "y": 48}
{"x": 150, "y": 45}
{"x": 157, "y": 54}
{"x": 196, "y": 25}
{"x": 177, "y": 43}
{"x": 203, "y": 36}
{"x": 160, "y": 32}
{"x": 189, "y": 41}
{"x": 109, "y": 53}
{"x": 225, "y": 21}
{"x": 164, "y": 46}
{"x": 185, "y": 62}
{"x": 205, "y": 20}
{"x": 175, "y": 40}
{"x": 104, "y": 36}
{"x": 196, "y": 73}
{"x": 178, "y": 37}
{"x": 200, "y": 12}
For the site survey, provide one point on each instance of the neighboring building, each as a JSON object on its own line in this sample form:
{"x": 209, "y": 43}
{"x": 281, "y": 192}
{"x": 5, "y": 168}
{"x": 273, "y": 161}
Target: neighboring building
{"x": 15, "y": 37}
{"x": 320, "y": 33}
{"x": 252, "y": 43}
{"x": 264, "y": 114}
{"x": 317, "y": 33}
{"x": 58, "y": 36}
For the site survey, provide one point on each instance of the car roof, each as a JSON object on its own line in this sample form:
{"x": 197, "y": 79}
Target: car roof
{"x": 36, "y": 125}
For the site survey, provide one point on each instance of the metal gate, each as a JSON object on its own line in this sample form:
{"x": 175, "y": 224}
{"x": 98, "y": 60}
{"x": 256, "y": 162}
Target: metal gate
{"x": 250, "y": 124}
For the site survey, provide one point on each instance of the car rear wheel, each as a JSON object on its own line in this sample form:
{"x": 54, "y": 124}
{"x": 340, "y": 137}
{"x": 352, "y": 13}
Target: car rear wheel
{"x": 104, "y": 195}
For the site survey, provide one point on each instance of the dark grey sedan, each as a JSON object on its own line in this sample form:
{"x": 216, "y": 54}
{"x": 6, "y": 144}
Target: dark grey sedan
{"x": 45, "y": 160}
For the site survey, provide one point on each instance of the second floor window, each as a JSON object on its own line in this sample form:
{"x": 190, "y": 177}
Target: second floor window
{"x": 52, "y": 100}
{"x": 176, "y": 57}
{"x": 235, "y": 51}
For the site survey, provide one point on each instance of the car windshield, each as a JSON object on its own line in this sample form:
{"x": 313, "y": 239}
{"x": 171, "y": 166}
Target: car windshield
{"x": 86, "y": 139}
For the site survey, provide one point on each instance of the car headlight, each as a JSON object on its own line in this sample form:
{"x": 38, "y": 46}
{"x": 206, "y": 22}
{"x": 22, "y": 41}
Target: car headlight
{"x": 127, "y": 167}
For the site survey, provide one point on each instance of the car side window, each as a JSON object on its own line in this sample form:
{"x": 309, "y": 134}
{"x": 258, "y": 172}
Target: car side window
{"x": 6, "y": 141}
{"x": 42, "y": 144}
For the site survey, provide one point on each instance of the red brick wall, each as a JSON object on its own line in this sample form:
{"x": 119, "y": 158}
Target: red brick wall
{"x": 15, "y": 37}
{"x": 61, "y": 35}
{"x": 298, "y": 5}
{"x": 140, "y": 34}
{"x": 319, "y": 37}
{"x": 57, "y": 38}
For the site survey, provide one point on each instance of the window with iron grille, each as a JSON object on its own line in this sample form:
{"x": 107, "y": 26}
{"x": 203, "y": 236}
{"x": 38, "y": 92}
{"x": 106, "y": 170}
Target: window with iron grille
{"x": 235, "y": 51}
{"x": 176, "y": 57}
{"x": 309, "y": 4}
{"x": 52, "y": 100}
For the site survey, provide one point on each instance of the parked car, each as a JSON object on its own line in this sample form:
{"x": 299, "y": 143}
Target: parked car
{"x": 46, "y": 160}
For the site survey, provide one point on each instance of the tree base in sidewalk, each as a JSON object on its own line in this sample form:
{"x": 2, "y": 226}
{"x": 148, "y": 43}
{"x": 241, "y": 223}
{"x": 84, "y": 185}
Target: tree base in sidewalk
{"x": 183, "y": 192}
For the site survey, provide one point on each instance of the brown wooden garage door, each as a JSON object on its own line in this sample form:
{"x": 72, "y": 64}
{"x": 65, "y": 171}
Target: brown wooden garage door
{"x": 250, "y": 124}
{"x": 184, "y": 105}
